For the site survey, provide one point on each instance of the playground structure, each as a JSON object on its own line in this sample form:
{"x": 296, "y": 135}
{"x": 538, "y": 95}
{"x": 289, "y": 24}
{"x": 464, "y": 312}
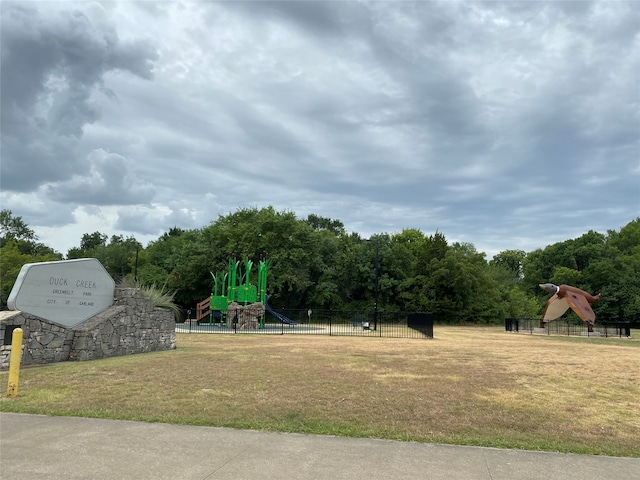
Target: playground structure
{"x": 235, "y": 300}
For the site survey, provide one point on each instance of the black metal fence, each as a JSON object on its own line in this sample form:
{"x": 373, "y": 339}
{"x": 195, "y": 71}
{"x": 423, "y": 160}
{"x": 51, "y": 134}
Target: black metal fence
{"x": 567, "y": 327}
{"x": 320, "y": 322}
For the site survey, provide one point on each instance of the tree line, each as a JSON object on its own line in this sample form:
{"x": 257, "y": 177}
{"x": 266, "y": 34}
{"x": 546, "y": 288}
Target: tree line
{"x": 316, "y": 264}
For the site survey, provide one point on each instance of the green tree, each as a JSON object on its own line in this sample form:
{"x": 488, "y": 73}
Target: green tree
{"x": 12, "y": 258}
{"x": 323, "y": 223}
{"x": 324, "y": 269}
{"x": 316, "y": 264}
{"x": 292, "y": 245}
{"x": 567, "y": 276}
{"x": 609, "y": 264}
{"x": 352, "y": 274}
{"x": 510, "y": 261}
{"x": 117, "y": 256}
{"x": 14, "y": 228}
{"x": 89, "y": 245}
{"x": 518, "y": 304}
{"x": 627, "y": 240}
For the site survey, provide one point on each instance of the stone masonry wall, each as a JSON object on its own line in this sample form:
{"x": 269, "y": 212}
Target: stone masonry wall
{"x": 42, "y": 341}
{"x": 131, "y": 325}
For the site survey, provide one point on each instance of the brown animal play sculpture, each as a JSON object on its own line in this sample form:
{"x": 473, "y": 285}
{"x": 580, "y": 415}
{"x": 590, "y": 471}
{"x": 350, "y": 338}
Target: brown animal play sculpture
{"x": 565, "y": 297}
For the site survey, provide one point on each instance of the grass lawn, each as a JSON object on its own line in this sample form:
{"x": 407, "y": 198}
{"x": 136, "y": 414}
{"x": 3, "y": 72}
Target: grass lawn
{"x": 468, "y": 386}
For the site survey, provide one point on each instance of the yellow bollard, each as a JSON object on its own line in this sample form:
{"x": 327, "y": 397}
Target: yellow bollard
{"x": 14, "y": 363}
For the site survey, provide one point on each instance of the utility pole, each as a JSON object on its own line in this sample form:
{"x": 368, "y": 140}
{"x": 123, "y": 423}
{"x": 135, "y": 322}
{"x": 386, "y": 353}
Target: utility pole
{"x": 375, "y": 301}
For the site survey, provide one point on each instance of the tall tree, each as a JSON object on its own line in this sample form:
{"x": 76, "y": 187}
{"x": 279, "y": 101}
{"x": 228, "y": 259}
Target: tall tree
{"x": 512, "y": 261}
{"x": 14, "y": 228}
{"x": 18, "y": 247}
{"x": 323, "y": 223}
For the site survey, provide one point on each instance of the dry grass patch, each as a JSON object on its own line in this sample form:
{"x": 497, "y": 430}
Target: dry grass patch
{"x": 477, "y": 386}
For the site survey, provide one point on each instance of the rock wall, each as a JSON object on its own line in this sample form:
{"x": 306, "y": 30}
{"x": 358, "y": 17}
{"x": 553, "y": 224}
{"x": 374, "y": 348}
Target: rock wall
{"x": 131, "y": 325}
{"x": 42, "y": 341}
{"x": 247, "y": 316}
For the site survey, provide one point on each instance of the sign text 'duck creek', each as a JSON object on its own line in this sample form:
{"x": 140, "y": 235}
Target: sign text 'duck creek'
{"x": 66, "y": 292}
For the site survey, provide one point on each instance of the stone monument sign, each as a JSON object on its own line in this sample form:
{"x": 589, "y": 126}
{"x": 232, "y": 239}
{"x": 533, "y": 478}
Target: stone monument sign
{"x": 67, "y": 292}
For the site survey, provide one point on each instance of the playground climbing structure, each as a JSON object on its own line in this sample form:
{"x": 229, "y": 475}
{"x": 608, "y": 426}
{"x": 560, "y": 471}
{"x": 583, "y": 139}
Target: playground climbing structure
{"x": 234, "y": 297}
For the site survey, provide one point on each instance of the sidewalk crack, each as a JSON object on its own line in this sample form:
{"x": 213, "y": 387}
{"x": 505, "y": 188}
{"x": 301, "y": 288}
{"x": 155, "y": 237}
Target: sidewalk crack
{"x": 220, "y": 467}
{"x": 487, "y": 465}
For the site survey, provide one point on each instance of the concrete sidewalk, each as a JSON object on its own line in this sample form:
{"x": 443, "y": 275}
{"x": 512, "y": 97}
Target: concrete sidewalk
{"x": 42, "y": 447}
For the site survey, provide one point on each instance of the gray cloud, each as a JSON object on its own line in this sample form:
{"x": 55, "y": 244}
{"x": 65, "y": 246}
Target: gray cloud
{"x": 503, "y": 124}
{"x": 109, "y": 182}
{"x": 53, "y": 61}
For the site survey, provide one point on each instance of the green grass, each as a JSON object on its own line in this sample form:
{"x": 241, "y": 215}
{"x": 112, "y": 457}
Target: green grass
{"x": 468, "y": 386}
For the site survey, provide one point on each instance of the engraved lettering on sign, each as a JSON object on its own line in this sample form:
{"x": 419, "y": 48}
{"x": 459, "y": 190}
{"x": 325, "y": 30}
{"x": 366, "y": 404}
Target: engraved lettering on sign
{"x": 67, "y": 292}
{"x": 62, "y": 292}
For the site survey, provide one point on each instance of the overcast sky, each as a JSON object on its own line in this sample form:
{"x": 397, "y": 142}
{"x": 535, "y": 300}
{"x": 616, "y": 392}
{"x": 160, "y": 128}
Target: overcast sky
{"x": 509, "y": 125}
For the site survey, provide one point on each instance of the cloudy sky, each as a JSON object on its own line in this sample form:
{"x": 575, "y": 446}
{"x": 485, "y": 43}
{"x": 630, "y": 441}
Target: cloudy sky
{"x": 509, "y": 125}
